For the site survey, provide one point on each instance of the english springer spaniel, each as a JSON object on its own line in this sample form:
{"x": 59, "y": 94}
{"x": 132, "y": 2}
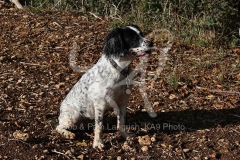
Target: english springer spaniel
{"x": 97, "y": 91}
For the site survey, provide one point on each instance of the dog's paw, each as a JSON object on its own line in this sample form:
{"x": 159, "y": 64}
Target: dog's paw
{"x": 69, "y": 135}
{"x": 98, "y": 145}
{"x": 65, "y": 133}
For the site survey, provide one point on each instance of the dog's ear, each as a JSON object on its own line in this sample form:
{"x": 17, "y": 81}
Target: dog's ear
{"x": 115, "y": 44}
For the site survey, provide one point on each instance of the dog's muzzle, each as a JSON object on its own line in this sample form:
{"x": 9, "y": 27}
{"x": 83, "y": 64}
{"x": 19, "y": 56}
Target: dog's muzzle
{"x": 140, "y": 53}
{"x": 144, "y": 50}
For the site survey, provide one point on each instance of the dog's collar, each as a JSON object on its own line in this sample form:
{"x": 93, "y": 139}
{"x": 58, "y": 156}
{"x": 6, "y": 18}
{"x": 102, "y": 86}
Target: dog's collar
{"x": 122, "y": 71}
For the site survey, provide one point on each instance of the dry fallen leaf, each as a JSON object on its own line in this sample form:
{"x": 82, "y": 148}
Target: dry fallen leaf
{"x": 219, "y": 106}
{"x": 211, "y": 96}
{"x": 164, "y": 145}
{"x": 213, "y": 155}
{"x": 35, "y": 77}
{"x": 172, "y": 96}
{"x": 238, "y": 77}
{"x": 20, "y": 135}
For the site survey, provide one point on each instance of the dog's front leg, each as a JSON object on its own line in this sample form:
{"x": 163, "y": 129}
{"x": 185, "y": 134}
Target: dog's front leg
{"x": 121, "y": 122}
{"x": 97, "y": 142}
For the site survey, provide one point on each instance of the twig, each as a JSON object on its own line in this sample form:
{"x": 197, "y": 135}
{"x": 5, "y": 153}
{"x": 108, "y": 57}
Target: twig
{"x": 32, "y": 64}
{"x": 215, "y": 107}
{"x": 55, "y": 23}
{"x": 50, "y": 125}
{"x": 113, "y": 144}
{"x": 18, "y": 140}
{"x": 183, "y": 154}
{"x": 235, "y": 131}
{"x": 5, "y": 74}
{"x": 54, "y": 151}
{"x": 143, "y": 129}
{"x": 21, "y": 109}
{"x": 115, "y": 12}
{"x": 235, "y": 115}
{"x": 219, "y": 91}
{"x": 3, "y": 99}
{"x": 56, "y": 4}
{"x": 130, "y": 109}
{"x": 225, "y": 92}
{"x": 95, "y": 15}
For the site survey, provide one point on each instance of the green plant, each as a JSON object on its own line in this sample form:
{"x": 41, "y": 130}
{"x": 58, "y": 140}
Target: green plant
{"x": 172, "y": 81}
{"x": 204, "y": 23}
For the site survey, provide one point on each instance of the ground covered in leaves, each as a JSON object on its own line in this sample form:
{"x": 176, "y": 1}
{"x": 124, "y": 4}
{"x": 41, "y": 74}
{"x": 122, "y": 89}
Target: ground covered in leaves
{"x": 196, "y": 96}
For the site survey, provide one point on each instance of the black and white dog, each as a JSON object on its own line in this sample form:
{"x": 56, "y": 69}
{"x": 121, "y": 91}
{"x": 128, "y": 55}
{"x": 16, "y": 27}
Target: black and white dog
{"x": 97, "y": 92}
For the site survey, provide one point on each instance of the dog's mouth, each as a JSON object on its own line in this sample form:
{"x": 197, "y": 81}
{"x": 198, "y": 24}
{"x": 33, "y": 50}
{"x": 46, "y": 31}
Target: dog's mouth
{"x": 137, "y": 53}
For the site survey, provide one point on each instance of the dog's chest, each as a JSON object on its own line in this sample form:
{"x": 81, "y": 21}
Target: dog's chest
{"x": 119, "y": 94}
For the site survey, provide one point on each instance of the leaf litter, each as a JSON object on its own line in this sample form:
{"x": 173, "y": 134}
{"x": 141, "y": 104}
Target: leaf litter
{"x": 196, "y": 96}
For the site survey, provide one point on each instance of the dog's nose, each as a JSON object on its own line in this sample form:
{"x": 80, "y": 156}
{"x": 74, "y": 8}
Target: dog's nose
{"x": 147, "y": 43}
{"x": 150, "y": 44}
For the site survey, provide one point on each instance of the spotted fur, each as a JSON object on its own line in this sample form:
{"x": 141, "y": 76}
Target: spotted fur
{"x": 97, "y": 92}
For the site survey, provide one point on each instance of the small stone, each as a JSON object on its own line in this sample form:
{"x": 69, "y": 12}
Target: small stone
{"x": 41, "y": 158}
{"x": 45, "y": 151}
{"x": 144, "y": 148}
{"x": 25, "y": 16}
{"x": 9, "y": 109}
{"x": 155, "y": 104}
{"x": 132, "y": 158}
{"x": 45, "y": 86}
{"x": 144, "y": 110}
{"x": 82, "y": 144}
{"x": 35, "y": 146}
{"x": 186, "y": 150}
{"x": 153, "y": 139}
{"x": 197, "y": 158}
{"x": 119, "y": 158}
{"x": 57, "y": 86}
{"x": 144, "y": 140}
{"x": 81, "y": 157}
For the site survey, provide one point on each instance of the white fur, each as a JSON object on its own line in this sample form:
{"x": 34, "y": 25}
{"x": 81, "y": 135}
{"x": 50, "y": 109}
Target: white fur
{"x": 95, "y": 93}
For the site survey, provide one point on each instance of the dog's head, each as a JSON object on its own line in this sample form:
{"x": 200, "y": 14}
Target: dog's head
{"x": 126, "y": 41}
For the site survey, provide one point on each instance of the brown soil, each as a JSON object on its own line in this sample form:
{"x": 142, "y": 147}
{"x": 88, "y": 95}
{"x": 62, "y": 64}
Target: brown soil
{"x": 196, "y": 96}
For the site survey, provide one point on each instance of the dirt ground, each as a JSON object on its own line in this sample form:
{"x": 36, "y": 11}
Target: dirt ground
{"x": 196, "y": 96}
